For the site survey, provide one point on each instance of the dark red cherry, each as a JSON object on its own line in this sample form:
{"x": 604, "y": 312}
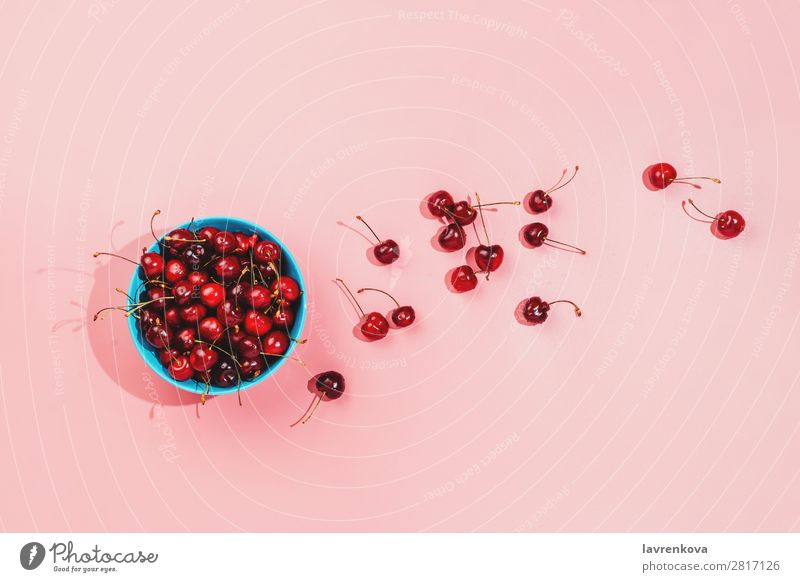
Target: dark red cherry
{"x": 489, "y": 257}
{"x": 266, "y": 251}
{"x": 252, "y": 367}
{"x": 535, "y": 310}
{"x": 147, "y": 317}
{"x": 286, "y": 287}
{"x": 227, "y": 268}
{"x": 211, "y": 329}
{"x": 452, "y": 237}
{"x": 172, "y": 316}
{"x": 249, "y": 347}
{"x": 174, "y": 271}
{"x": 158, "y": 296}
{"x": 256, "y": 323}
{"x": 158, "y": 336}
{"x": 283, "y": 317}
{"x": 184, "y": 340}
{"x": 192, "y": 313}
{"x": 230, "y": 314}
{"x": 258, "y": 297}
{"x": 540, "y": 201}
{"x": 463, "y": 279}
{"x": 224, "y": 242}
{"x": 166, "y": 356}
{"x": 212, "y": 294}
{"x": 276, "y": 343}
{"x": 325, "y": 386}
{"x": 225, "y": 378}
{"x": 197, "y": 278}
{"x": 403, "y": 316}
{"x": 194, "y": 255}
{"x": 203, "y": 357}
{"x": 182, "y": 291}
{"x": 463, "y": 213}
{"x": 207, "y": 234}
{"x": 385, "y": 251}
{"x": 535, "y": 234}
{"x": 152, "y": 265}
{"x": 179, "y": 239}
{"x": 375, "y": 326}
{"x": 439, "y": 202}
{"x": 728, "y": 224}
{"x": 180, "y": 369}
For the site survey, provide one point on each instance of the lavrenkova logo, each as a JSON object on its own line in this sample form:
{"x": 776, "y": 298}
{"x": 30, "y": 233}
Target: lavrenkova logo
{"x": 31, "y": 555}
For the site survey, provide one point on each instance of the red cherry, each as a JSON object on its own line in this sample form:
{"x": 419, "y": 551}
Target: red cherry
{"x": 174, "y": 271}
{"x": 152, "y": 265}
{"x": 184, "y": 340}
{"x": 266, "y": 251}
{"x": 230, "y": 314}
{"x": 192, "y": 313}
{"x": 224, "y": 242}
{"x": 489, "y": 257}
{"x": 463, "y": 279}
{"x": 276, "y": 343}
{"x": 659, "y": 176}
{"x": 227, "y": 268}
{"x": 402, "y": 316}
{"x": 172, "y": 316}
{"x": 251, "y": 368}
{"x": 725, "y": 225}
{"x": 325, "y": 386}
{"x": 257, "y": 296}
{"x": 183, "y": 292}
{"x": 158, "y": 296}
{"x": 179, "y": 239}
{"x": 197, "y": 278}
{"x": 540, "y": 201}
{"x": 452, "y": 237}
{"x": 180, "y": 369}
{"x": 463, "y": 213}
{"x": 249, "y": 347}
{"x": 535, "y": 310}
{"x": 536, "y": 233}
{"x": 166, "y": 356}
{"x": 286, "y": 287}
{"x": 386, "y": 251}
{"x": 211, "y": 329}
{"x": 375, "y": 326}
{"x": 283, "y": 317}
{"x": 158, "y": 336}
{"x": 202, "y": 358}
{"x": 212, "y": 294}
{"x": 244, "y": 242}
{"x": 256, "y": 323}
{"x": 207, "y": 234}
{"x": 439, "y": 202}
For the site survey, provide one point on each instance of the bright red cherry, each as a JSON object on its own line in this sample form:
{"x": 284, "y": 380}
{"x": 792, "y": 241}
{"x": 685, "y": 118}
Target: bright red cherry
{"x": 249, "y": 347}
{"x": 283, "y": 317}
{"x": 258, "y": 297}
{"x": 536, "y": 233}
{"x": 207, "y": 233}
{"x": 489, "y": 257}
{"x": 202, "y": 357}
{"x": 439, "y": 202}
{"x": 325, "y": 386}
{"x": 152, "y": 265}
{"x": 266, "y": 252}
{"x": 192, "y": 313}
{"x": 183, "y": 292}
{"x": 286, "y": 287}
{"x": 540, "y": 201}
{"x": 465, "y": 213}
{"x": 659, "y": 176}
{"x": 252, "y": 367}
{"x": 230, "y": 314}
{"x": 180, "y": 369}
{"x": 211, "y": 329}
{"x": 158, "y": 336}
{"x": 166, "y": 356}
{"x": 373, "y": 325}
{"x": 184, "y": 340}
{"x": 463, "y": 279}
{"x": 725, "y": 225}
{"x": 212, "y": 294}
{"x": 256, "y": 323}
{"x": 172, "y": 316}
{"x": 535, "y": 310}
{"x": 227, "y": 268}
{"x": 244, "y": 242}
{"x": 224, "y": 242}
{"x": 386, "y": 251}
{"x": 452, "y": 237}
{"x": 402, "y": 315}
{"x": 179, "y": 239}
{"x": 174, "y": 271}
{"x": 197, "y": 278}
{"x": 276, "y": 343}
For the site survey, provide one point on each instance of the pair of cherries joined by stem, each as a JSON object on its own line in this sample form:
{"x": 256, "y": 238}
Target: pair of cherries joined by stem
{"x": 385, "y": 251}
{"x": 374, "y": 325}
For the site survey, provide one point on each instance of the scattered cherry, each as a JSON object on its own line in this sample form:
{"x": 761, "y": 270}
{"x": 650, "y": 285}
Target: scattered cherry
{"x": 659, "y": 176}
{"x": 535, "y": 310}
{"x": 725, "y": 225}
{"x": 489, "y": 257}
{"x": 439, "y": 202}
{"x": 402, "y": 315}
{"x": 536, "y": 233}
{"x": 386, "y": 251}
{"x": 463, "y": 279}
{"x": 374, "y": 326}
{"x": 452, "y": 237}
{"x": 325, "y": 386}
{"x": 540, "y": 201}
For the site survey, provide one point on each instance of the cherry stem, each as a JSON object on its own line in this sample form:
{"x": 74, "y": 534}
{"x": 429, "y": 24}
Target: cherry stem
{"x": 513, "y": 203}
{"x": 715, "y": 180}
{"x": 370, "y": 229}
{"x": 696, "y": 186}
{"x": 379, "y": 291}
{"x": 564, "y": 246}
{"x": 186, "y": 240}
{"x": 295, "y": 358}
{"x": 214, "y": 346}
{"x": 559, "y": 185}
{"x": 351, "y": 295}
{"x": 298, "y": 341}
{"x": 152, "y": 230}
{"x": 136, "y": 307}
{"x": 683, "y": 206}
{"x": 577, "y": 309}
{"x": 315, "y": 400}
{"x": 483, "y": 222}
{"x": 118, "y": 290}
{"x": 97, "y": 254}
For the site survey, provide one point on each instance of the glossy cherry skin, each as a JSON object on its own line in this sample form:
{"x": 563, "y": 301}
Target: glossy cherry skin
{"x": 256, "y": 323}
{"x": 166, "y": 356}
{"x": 225, "y": 378}
{"x": 212, "y": 294}
{"x": 535, "y": 310}
{"x": 439, "y": 202}
{"x": 184, "y": 340}
{"x": 192, "y": 313}
{"x": 249, "y": 347}
{"x": 728, "y": 224}
{"x": 266, "y": 251}
{"x": 183, "y": 236}
{"x": 158, "y": 336}
{"x": 230, "y": 314}
{"x": 327, "y": 385}
{"x": 197, "y": 278}
{"x": 463, "y": 213}
{"x": 224, "y": 242}
{"x": 286, "y": 287}
{"x": 463, "y": 279}
{"x": 174, "y": 271}
{"x": 276, "y": 343}
{"x": 386, "y": 252}
{"x": 535, "y": 234}
{"x": 375, "y": 326}
{"x": 180, "y": 369}
{"x": 202, "y": 358}
{"x": 244, "y": 242}
{"x": 227, "y": 268}
{"x": 211, "y": 329}
{"x": 283, "y": 317}
{"x": 152, "y": 265}
{"x": 206, "y": 234}
{"x": 660, "y": 175}
{"x": 539, "y": 201}
{"x": 452, "y": 237}
{"x": 252, "y": 367}
{"x": 258, "y": 297}
{"x": 158, "y": 296}
{"x": 147, "y": 317}
{"x": 403, "y": 316}
{"x": 182, "y": 291}
{"x": 194, "y": 255}
{"x": 489, "y": 258}
{"x": 172, "y": 316}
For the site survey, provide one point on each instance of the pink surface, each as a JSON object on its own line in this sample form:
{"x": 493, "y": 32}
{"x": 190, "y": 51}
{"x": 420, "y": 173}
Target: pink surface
{"x": 673, "y": 404}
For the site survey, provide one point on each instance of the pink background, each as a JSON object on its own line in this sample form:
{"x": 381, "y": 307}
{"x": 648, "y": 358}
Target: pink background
{"x": 673, "y": 404}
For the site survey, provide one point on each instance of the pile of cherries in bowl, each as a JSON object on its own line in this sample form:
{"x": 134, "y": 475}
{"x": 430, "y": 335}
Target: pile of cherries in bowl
{"x": 215, "y": 305}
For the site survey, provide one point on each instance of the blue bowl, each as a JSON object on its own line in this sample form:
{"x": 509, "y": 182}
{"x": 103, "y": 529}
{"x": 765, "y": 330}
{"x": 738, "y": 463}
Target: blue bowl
{"x": 289, "y": 267}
